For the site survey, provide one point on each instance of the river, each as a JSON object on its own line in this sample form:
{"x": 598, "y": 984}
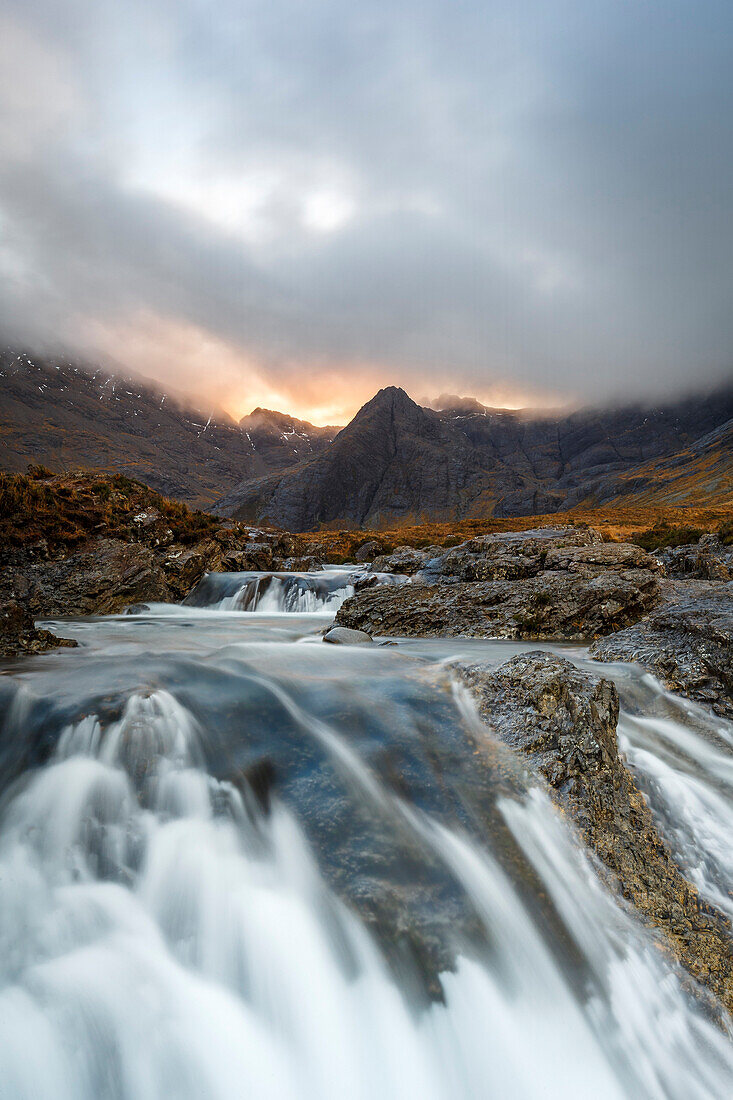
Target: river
{"x": 238, "y": 862}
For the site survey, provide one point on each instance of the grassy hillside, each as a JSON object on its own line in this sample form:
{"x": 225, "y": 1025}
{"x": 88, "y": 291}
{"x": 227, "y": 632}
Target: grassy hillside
{"x": 65, "y": 510}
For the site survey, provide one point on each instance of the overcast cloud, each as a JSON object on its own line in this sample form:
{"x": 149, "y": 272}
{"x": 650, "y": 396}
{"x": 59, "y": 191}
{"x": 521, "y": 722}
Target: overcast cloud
{"x": 294, "y": 203}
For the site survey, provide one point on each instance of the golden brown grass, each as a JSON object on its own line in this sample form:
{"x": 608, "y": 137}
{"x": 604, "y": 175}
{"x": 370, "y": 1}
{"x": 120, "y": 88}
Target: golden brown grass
{"x": 616, "y": 524}
{"x": 67, "y": 509}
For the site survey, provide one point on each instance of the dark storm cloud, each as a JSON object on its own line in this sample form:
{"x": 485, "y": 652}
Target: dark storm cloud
{"x": 532, "y": 193}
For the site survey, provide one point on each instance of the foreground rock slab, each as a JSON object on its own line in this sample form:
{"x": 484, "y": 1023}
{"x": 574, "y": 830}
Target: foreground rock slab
{"x": 563, "y": 721}
{"x": 548, "y": 606}
{"x": 687, "y": 642}
{"x": 548, "y": 584}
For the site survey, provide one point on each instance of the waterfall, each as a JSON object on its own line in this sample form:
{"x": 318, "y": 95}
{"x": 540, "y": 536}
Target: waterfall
{"x": 277, "y": 593}
{"x": 213, "y": 863}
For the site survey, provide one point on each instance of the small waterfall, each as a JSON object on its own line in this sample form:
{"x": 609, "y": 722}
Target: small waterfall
{"x": 277, "y": 593}
{"x": 688, "y": 779}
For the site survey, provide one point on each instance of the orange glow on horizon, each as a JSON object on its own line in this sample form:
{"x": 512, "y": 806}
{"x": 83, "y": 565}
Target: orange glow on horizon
{"x": 215, "y": 374}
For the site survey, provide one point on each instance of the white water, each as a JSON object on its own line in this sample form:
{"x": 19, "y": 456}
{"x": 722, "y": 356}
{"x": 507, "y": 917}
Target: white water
{"x": 688, "y": 776}
{"x": 319, "y": 593}
{"x": 161, "y": 936}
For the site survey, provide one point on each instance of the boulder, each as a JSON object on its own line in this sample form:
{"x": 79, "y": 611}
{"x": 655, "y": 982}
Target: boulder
{"x": 563, "y": 722}
{"x": 508, "y": 556}
{"x": 342, "y": 635}
{"x": 590, "y": 561}
{"x": 707, "y": 559}
{"x": 562, "y": 583}
{"x": 18, "y": 633}
{"x": 547, "y": 606}
{"x": 405, "y": 560}
{"x": 687, "y": 642}
{"x": 368, "y": 551}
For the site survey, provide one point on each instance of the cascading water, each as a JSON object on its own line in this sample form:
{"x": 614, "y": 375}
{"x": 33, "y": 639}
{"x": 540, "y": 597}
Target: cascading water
{"x": 272, "y": 593}
{"x": 233, "y": 865}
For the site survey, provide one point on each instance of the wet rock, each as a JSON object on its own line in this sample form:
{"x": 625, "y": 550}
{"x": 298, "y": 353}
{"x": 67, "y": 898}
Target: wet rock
{"x": 707, "y": 559}
{"x": 342, "y": 635}
{"x": 305, "y": 564}
{"x": 508, "y": 556}
{"x": 109, "y": 542}
{"x": 368, "y": 551}
{"x": 259, "y": 780}
{"x": 258, "y": 555}
{"x": 687, "y": 642}
{"x": 234, "y": 561}
{"x": 107, "y": 575}
{"x": 18, "y": 633}
{"x": 593, "y": 560}
{"x": 405, "y": 560}
{"x": 183, "y": 568}
{"x": 563, "y": 721}
{"x": 365, "y": 580}
{"x": 549, "y": 605}
{"x": 559, "y": 583}
{"x": 103, "y": 578}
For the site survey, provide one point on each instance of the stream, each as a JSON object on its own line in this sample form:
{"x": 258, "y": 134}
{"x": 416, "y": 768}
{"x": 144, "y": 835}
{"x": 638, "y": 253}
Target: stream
{"x": 238, "y": 862}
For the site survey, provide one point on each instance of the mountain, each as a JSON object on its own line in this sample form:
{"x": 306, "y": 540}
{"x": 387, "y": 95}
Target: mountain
{"x": 395, "y": 462}
{"x": 67, "y": 416}
{"x": 395, "y": 459}
{"x": 698, "y": 476}
{"x": 398, "y": 462}
{"x": 280, "y": 440}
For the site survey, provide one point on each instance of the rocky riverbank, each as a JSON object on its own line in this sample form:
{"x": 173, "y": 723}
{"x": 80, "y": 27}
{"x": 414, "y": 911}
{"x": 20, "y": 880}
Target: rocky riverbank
{"x": 687, "y": 642}
{"x": 83, "y": 544}
{"x": 670, "y": 611}
{"x": 89, "y": 544}
{"x": 554, "y": 583}
{"x": 563, "y": 721}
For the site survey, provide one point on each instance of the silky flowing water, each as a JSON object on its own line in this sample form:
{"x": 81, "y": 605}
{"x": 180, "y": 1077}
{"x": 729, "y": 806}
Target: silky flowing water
{"x": 238, "y": 862}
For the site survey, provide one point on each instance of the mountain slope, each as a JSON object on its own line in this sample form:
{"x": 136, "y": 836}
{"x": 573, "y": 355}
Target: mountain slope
{"x": 699, "y": 475}
{"x": 398, "y": 462}
{"x": 395, "y": 460}
{"x": 280, "y": 440}
{"x": 66, "y": 416}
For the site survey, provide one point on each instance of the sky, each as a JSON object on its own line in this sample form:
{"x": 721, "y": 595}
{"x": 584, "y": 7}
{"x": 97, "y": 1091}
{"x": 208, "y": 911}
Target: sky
{"x": 291, "y": 204}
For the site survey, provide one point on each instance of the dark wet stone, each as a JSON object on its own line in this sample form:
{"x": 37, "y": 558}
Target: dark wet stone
{"x": 342, "y": 635}
{"x": 564, "y": 722}
{"x": 18, "y": 633}
{"x": 687, "y": 641}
